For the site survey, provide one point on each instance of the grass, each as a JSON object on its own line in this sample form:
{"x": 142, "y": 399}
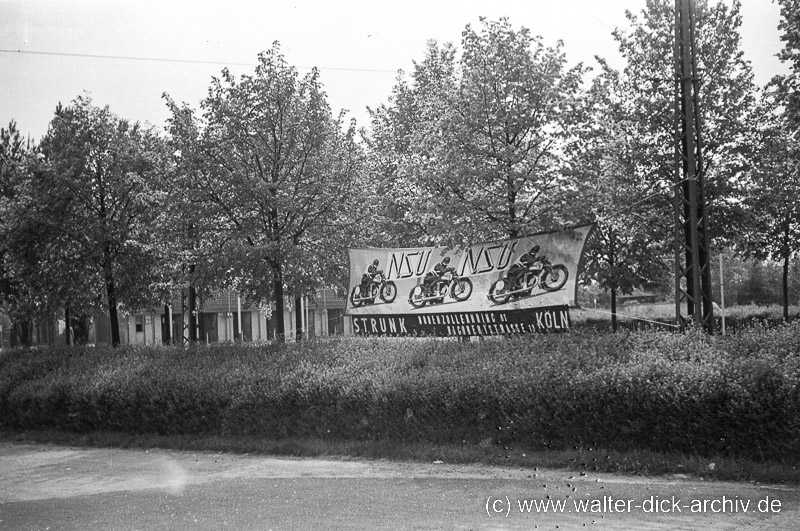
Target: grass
{"x": 665, "y": 311}
{"x": 657, "y": 404}
{"x": 579, "y": 459}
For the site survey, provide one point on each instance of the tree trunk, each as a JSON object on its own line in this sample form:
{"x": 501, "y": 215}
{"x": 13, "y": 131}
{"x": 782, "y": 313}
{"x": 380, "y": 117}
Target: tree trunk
{"x": 614, "y": 309}
{"x": 612, "y": 258}
{"x": 111, "y": 292}
{"x": 23, "y": 332}
{"x": 166, "y": 335}
{"x": 280, "y": 330}
{"x": 193, "y": 328}
{"x": 82, "y": 330}
{"x": 298, "y": 318}
{"x": 785, "y": 286}
{"x": 67, "y": 328}
{"x": 277, "y": 265}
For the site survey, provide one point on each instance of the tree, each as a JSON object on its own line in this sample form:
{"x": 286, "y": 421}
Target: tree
{"x": 484, "y": 143}
{"x": 626, "y": 251}
{"x": 787, "y": 87}
{"x": 267, "y": 172}
{"x": 774, "y": 201}
{"x": 44, "y": 274}
{"x": 727, "y": 103}
{"x": 775, "y": 193}
{"x": 627, "y": 154}
{"x": 645, "y": 92}
{"x": 514, "y": 122}
{"x": 16, "y": 159}
{"x": 98, "y": 198}
{"x": 49, "y": 272}
{"x": 393, "y": 144}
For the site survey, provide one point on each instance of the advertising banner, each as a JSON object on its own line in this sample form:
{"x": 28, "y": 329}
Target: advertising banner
{"x": 509, "y": 286}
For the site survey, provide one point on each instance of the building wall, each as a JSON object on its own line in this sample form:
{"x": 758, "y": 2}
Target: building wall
{"x": 323, "y": 315}
{"x": 143, "y": 329}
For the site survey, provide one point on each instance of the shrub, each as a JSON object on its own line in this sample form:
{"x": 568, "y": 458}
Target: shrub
{"x": 737, "y": 395}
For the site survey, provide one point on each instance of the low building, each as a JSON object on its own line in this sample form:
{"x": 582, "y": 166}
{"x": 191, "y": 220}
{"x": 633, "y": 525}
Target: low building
{"x": 222, "y": 317}
{"x": 225, "y": 317}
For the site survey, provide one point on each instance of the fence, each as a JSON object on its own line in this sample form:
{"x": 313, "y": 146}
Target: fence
{"x": 732, "y": 326}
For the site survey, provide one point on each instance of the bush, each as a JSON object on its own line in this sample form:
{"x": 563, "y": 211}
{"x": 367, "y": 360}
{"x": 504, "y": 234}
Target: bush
{"x": 734, "y": 396}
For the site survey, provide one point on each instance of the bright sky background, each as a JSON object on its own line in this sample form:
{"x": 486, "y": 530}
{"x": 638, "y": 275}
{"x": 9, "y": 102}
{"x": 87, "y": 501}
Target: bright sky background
{"x": 49, "y": 48}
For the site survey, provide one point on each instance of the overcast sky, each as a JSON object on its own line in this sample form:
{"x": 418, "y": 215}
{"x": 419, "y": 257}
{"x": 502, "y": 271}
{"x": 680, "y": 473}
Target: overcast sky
{"x": 126, "y": 54}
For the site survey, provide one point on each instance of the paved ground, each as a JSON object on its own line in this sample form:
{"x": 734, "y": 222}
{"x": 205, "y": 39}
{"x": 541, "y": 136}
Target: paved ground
{"x": 47, "y": 487}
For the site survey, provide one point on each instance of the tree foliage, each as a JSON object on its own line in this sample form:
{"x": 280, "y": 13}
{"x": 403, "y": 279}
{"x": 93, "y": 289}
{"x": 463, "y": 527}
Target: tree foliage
{"x": 95, "y": 203}
{"x": 43, "y": 274}
{"x": 19, "y": 299}
{"x": 395, "y": 146}
{"x": 727, "y": 102}
{"x": 628, "y": 154}
{"x": 485, "y": 153}
{"x": 787, "y": 87}
{"x": 627, "y": 251}
{"x": 774, "y": 198}
{"x": 263, "y": 188}
{"x": 267, "y": 172}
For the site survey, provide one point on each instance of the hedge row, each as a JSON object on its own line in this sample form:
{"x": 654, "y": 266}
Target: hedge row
{"x": 737, "y": 395}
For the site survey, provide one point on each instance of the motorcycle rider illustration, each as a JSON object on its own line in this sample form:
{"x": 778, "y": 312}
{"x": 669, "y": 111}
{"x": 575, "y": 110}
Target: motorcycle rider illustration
{"x": 532, "y": 271}
{"x": 369, "y": 274}
{"x": 373, "y": 285}
{"x": 436, "y": 273}
{"x": 526, "y": 262}
{"x": 438, "y": 283}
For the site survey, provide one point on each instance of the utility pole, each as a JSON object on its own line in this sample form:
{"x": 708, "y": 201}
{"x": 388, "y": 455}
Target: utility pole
{"x": 692, "y": 269}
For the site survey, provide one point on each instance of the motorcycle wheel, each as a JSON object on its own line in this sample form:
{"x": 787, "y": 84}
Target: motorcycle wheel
{"x": 462, "y": 289}
{"x": 556, "y": 279}
{"x": 415, "y": 298}
{"x": 355, "y": 297}
{"x": 498, "y": 292}
{"x": 388, "y": 292}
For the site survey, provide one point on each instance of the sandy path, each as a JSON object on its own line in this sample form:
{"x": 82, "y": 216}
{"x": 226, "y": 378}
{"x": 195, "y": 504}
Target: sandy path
{"x": 49, "y": 487}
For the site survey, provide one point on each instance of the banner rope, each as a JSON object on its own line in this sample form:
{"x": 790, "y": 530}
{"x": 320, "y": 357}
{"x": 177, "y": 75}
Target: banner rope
{"x": 631, "y": 317}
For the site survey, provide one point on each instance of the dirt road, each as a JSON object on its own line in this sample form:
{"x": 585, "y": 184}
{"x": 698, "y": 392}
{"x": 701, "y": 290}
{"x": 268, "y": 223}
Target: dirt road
{"x": 50, "y": 488}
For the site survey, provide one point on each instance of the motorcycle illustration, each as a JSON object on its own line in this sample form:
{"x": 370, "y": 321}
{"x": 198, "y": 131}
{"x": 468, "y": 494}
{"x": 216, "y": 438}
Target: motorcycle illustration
{"x": 540, "y": 274}
{"x": 450, "y": 283}
{"x": 378, "y": 287}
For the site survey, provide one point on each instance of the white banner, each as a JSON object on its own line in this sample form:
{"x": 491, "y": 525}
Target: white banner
{"x": 532, "y": 272}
